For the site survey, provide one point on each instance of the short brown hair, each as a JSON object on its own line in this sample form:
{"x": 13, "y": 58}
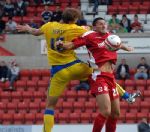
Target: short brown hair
{"x": 70, "y": 15}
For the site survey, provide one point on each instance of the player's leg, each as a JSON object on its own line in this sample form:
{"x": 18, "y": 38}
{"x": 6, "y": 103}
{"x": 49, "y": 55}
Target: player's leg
{"x": 57, "y": 86}
{"x": 104, "y": 105}
{"x": 130, "y": 98}
{"x": 122, "y": 92}
{"x": 115, "y": 108}
{"x": 112, "y": 120}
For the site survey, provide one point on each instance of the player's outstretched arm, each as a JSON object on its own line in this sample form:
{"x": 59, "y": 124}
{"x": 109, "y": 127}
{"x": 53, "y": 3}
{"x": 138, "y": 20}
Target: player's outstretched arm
{"x": 27, "y": 28}
{"x": 126, "y": 48}
{"x": 64, "y": 46}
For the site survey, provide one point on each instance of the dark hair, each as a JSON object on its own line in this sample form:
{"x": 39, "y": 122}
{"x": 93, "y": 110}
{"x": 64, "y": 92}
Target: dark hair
{"x": 96, "y": 19}
{"x": 70, "y": 15}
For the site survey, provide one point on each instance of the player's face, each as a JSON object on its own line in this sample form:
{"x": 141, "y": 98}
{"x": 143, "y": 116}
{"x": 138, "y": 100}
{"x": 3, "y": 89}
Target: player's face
{"x": 101, "y": 26}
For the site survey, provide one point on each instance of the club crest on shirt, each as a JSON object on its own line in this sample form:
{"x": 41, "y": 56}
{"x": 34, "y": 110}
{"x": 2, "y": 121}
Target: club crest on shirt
{"x": 101, "y": 44}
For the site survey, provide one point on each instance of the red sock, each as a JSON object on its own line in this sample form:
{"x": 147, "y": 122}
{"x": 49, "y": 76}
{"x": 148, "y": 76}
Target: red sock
{"x": 111, "y": 125}
{"x": 99, "y": 123}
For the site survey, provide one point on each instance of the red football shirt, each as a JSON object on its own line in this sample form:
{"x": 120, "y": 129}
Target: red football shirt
{"x": 98, "y": 52}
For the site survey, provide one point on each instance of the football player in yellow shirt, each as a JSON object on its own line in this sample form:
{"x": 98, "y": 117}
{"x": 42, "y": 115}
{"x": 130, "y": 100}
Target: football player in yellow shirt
{"x": 65, "y": 66}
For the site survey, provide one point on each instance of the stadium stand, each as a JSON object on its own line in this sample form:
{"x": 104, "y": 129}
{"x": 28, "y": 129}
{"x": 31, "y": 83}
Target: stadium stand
{"x": 26, "y": 105}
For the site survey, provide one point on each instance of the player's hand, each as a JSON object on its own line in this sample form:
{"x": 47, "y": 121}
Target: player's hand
{"x": 23, "y": 28}
{"x": 59, "y": 45}
{"x": 130, "y": 48}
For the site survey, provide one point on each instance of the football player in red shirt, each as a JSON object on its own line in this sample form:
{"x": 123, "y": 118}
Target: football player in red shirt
{"x": 102, "y": 81}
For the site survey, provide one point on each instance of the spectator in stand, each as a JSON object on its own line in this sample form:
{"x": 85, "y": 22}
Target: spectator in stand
{"x": 2, "y": 25}
{"x": 126, "y": 22}
{"x": 142, "y": 69}
{"x": 46, "y": 15}
{"x": 121, "y": 29}
{"x": 81, "y": 21}
{"x": 11, "y": 26}
{"x": 95, "y": 8}
{"x": 136, "y": 26}
{"x": 113, "y": 23}
{"x": 84, "y": 85}
{"x": 123, "y": 71}
{"x": 57, "y": 14}
{"x": 143, "y": 126}
{"x": 3, "y": 71}
{"x": 33, "y": 24}
{"x": 13, "y": 73}
{"x": 9, "y": 8}
{"x": 20, "y": 8}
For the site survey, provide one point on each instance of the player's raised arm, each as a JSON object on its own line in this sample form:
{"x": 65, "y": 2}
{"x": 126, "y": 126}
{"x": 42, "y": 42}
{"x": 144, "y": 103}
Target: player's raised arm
{"x": 126, "y": 48}
{"x": 27, "y": 28}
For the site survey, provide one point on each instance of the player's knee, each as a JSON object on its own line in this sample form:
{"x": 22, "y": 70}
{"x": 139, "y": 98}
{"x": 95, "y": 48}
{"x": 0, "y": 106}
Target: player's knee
{"x": 51, "y": 102}
{"x": 106, "y": 112}
{"x": 116, "y": 113}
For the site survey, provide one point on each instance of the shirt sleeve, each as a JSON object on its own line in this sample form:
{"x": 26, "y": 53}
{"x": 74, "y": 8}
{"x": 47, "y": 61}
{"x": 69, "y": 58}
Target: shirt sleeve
{"x": 80, "y": 41}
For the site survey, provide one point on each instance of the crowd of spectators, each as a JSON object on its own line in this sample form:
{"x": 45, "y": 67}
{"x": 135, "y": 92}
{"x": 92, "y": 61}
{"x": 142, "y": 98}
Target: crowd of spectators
{"x": 125, "y": 25}
{"x": 11, "y": 8}
{"x": 142, "y": 70}
{"x": 9, "y": 72}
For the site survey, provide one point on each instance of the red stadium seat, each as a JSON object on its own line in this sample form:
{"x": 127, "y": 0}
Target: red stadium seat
{"x": 21, "y": 85}
{"x": 135, "y": 107}
{"x": 133, "y": 9}
{"x": 86, "y": 118}
{"x": 34, "y": 107}
{"x": 16, "y": 96}
{"x": 39, "y": 118}
{"x": 45, "y": 74}
{"x": 112, "y": 9}
{"x": 145, "y": 107}
{"x": 121, "y": 118}
{"x": 5, "y": 96}
{"x": 30, "y": 118}
{"x": 82, "y": 94}
{"x": 131, "y": 118}
{"x": 71, "y": 94}
{"x": 32, "y": 85}
{"x": 144, "y": 9}
{"x": 78, "y": 107}
{"x": 148, "y": 82}
{"x": 63, "y": 118}
{"x": 140, "y": 83}
{"x": 90, "y": 107}
{"x": 25, "y": 74}
{"x": 123, "y": 9}
{"x": 43, "y": 83}
{"x": 141, "y": 115}
{"x": 124, "y": 106}
{"x": 27, "y": 95}
{"x": 23, "y": 107}
{"x": 36, "y": 74}
{"x": 130, "y": 83}
{"x": 43, "y": 106}
{"x": 67, "y": 107}
{"x": 12, "y": 107}
{"x": 7, "y": 119}
{"x": 39, "y": 95}
{"x": 2, "y": 107}
{"x": 18, "y": 118}
{"x": 74, "y": 118}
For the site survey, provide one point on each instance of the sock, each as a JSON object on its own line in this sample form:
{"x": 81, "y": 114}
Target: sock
{"x": 98, "y": 123}
{"x": 48, "y": 120}
{"x": 111, "y": 124}
{"x": 122, "y": 92}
